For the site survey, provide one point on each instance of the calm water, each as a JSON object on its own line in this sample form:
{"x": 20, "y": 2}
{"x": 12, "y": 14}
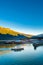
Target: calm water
{"x": 28, "y": 56}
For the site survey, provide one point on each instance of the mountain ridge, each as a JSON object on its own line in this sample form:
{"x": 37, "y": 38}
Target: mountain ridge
{"x": 8, "y": 34}
{"x": 4, "y": 30}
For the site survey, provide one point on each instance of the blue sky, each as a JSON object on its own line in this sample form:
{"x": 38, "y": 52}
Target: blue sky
{"x": 22, "y": 15}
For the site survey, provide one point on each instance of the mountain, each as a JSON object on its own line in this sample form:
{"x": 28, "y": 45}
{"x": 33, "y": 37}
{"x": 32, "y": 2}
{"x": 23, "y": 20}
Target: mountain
{"x": 11, "y": 37}
{"x": 8, "y": 34}
{"x": 40, "y": 36}
{"x": 8, "y": 31}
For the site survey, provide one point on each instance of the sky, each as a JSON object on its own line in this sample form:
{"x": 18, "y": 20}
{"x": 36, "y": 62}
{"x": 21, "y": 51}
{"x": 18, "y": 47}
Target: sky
{"x": 22, "y": 15}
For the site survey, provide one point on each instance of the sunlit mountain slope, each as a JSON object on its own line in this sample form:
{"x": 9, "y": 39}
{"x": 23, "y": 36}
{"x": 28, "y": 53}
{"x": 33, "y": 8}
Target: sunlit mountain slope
{"x": 7, "y": 31}
{"x": 4, "y": 30}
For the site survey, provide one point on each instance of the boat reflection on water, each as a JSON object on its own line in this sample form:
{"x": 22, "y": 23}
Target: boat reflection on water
{"x": 37, "y": 45}
{"x": 17, "y": 49}
{"x": 37, "y": 42}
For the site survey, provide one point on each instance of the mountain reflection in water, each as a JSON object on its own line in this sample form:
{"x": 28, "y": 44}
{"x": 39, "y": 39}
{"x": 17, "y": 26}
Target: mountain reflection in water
{"x": 17, "y": 47}
{"x": 27, "y": 56}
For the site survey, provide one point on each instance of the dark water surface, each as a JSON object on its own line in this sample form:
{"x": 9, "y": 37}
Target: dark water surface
{"x": 28, "y": 56}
